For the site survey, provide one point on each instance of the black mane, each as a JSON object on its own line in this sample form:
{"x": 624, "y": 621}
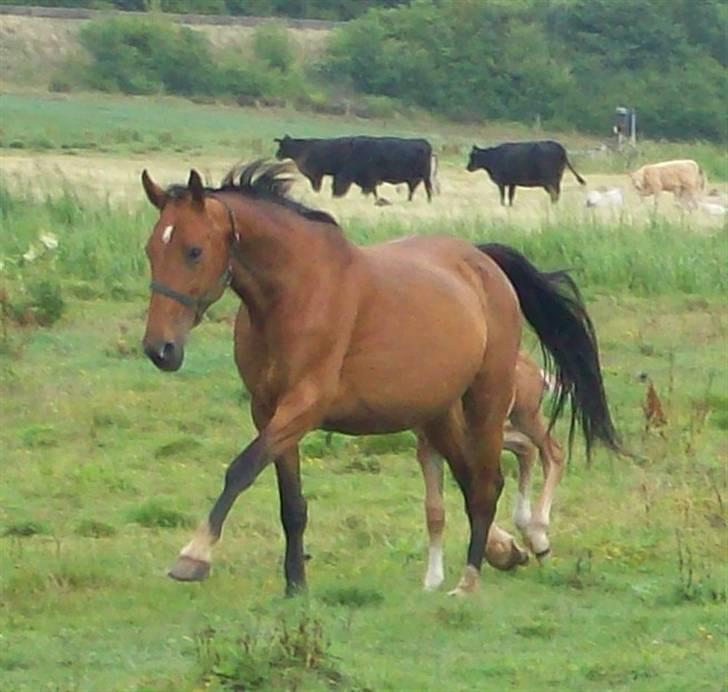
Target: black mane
{"x": 265, "y": 180}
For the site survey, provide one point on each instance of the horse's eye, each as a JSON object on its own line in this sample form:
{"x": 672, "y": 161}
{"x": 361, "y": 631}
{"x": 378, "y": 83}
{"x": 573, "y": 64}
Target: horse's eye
{"x": 194, "y": 253}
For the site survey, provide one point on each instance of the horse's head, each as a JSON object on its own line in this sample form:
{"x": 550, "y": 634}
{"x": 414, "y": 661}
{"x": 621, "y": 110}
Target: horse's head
{"x": 189, "y": 255}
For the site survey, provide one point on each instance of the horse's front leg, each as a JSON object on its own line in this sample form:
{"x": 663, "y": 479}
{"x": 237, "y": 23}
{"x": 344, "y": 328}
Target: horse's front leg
{"x": 294, "y": 515}
{"x": 297, "y": 413}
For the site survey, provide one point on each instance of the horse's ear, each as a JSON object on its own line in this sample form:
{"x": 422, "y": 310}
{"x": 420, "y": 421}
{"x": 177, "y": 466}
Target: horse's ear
{"x": 277, "y": 139}
{"x": 156, "y": 195}
{"x": 196, "y": 188}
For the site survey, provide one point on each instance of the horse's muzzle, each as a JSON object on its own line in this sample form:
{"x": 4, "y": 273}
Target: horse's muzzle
{"x": 167, "y": 356}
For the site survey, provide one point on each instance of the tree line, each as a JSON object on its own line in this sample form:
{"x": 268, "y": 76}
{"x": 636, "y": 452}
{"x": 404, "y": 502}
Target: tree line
{"x": 565, "y": 63}
{"x": 333, "y": 10}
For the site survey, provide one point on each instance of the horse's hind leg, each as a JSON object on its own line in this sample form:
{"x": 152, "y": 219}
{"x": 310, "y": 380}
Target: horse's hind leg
{"x": 552, "y": 461}
{"x": 432, "y": 473}
{"x": 525, "y": 451}
{"x": 501, "y": 551}
{"x": 485, "y": 406}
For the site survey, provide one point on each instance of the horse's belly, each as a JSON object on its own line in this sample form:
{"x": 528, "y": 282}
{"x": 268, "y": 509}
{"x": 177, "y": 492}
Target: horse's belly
{"x": 386, "y": 390}
{"x": 362, "y": 417}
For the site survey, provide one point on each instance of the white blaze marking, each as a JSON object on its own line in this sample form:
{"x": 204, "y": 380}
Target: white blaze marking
{"x": 167, "y": 234}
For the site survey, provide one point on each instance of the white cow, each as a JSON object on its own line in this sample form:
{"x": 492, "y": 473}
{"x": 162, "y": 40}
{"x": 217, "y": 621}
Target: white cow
{"x": 605, "y": 197}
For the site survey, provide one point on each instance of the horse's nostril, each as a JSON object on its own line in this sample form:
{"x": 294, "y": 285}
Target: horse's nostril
{"x": 167, "y": 351}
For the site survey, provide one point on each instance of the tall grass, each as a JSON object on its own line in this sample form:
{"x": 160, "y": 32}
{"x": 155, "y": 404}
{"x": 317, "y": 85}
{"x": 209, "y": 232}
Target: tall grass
{"x": 104, "y": 243}
{"x": 96, "y": 242}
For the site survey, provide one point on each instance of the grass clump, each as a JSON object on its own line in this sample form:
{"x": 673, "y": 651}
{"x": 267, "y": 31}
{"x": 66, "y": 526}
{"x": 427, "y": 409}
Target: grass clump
{"x": 292, "y": 654}
{"x": 155, "y": 515}
{"x": 91, "y": 528}
{"x": 26, "y": 529}
{"x": 39, "y": 435}
{"x": 352, "y": 597}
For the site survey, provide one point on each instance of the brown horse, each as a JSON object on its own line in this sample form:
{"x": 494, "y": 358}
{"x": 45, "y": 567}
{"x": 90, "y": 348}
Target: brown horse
{"x": 526, "y": 433}
{"x": 420, "y": 333}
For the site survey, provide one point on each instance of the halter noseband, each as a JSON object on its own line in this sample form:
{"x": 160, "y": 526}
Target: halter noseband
{"x": 199, "y": 303}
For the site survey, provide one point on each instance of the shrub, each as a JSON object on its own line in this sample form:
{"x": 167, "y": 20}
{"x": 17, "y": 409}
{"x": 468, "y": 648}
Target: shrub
{"x": 143, "y": 56}
{"x": 272, "y": 46}
{"x": 46, "y": 301}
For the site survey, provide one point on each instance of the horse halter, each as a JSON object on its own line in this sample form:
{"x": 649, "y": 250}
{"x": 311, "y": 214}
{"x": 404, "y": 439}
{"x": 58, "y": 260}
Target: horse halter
{"x": 199, "y": 303}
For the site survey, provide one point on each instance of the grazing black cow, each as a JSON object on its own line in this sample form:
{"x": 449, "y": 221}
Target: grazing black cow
{"x": 528, "y": 164}
{"x": 363, "y": 161}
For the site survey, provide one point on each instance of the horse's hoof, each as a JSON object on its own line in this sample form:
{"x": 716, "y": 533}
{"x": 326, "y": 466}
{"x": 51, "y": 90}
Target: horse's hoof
{"x": 544, "y": 555}
{"x": 296, "y": 589}
{"x": 432, "y": 584}
{"x": 520, "y": 556}
{"x": 469, "y": 582}
{"x": 516, "y": 557}
{"x": 189, "y": 569}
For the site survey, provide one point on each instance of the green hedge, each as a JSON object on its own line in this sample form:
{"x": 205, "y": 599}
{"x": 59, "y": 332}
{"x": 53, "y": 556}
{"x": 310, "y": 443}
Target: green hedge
{"x": 136, "y": 55}
{"x": 566, "y": 63}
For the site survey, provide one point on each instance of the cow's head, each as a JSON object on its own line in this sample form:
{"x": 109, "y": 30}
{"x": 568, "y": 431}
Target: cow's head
{"x": 478, "y": 158}
{"x": 284, "y": 145}
{"x": 638, "y": 180}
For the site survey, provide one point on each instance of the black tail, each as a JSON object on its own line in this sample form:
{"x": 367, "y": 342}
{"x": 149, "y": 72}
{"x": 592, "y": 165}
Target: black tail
{"x": 551, "y": 304}
{"x": 573, "y": 170}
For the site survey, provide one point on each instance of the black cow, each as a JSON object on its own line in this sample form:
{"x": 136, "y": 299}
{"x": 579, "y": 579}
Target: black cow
{"x": 363, "y": 161}
{"x": 528, "y": 164}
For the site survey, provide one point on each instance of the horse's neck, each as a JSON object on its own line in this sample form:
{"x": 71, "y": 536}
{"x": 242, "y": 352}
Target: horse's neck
{"x": 279, "y": 255}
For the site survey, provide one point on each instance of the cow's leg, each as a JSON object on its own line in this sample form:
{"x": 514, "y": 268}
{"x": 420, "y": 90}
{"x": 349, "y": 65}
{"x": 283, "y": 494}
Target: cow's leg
{"x": 316, "y": 181}
{"x": 511, "y": 194}
{"x": 340, "y": 185}
{"x": 412, "y": 185}
{"x": 428, "y": 189}
{"x": 502, "y": 190}
{"x": 554, "y": 190}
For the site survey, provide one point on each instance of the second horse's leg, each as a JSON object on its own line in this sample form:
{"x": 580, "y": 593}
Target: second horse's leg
{"x": 432, "y": 473}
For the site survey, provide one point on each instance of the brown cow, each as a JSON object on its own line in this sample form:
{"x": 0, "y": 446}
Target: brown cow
{"x": 685, "y": 179}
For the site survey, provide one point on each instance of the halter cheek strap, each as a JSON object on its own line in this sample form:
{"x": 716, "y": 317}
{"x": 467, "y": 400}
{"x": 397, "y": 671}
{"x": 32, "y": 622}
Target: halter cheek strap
{"x": 200, "y": 303}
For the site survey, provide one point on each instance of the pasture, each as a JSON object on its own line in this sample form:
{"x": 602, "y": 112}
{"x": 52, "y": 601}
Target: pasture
{"x": 106, "y": 463}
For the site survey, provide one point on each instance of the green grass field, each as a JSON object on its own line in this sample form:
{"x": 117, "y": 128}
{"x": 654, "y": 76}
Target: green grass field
{"x": 107, "y": 463}
{"x": 86, "y": 123}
